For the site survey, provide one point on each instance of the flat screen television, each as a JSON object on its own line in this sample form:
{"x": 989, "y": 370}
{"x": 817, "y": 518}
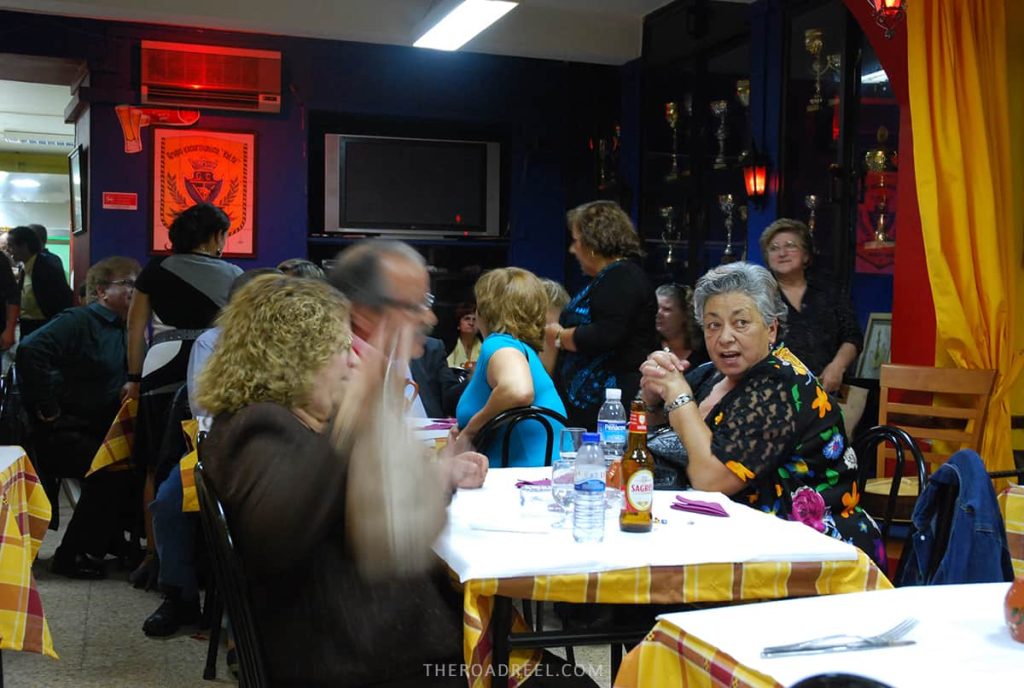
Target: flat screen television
{"x": 386, "y": 185}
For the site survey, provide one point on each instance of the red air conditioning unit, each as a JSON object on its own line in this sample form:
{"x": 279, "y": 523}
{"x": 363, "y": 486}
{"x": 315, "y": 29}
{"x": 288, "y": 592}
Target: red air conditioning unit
{"x": 206, "y": 76}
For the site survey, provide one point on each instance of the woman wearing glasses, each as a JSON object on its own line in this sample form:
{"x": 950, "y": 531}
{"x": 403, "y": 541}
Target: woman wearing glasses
{"x": 821, "y": 328}
{"x": 178, "y": 296}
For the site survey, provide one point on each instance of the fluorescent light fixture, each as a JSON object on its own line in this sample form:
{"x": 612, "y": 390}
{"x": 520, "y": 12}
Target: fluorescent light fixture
{"x": 464, "y": 22}
{"x": 877, "y": 77}
{"x": 22, "y": 183}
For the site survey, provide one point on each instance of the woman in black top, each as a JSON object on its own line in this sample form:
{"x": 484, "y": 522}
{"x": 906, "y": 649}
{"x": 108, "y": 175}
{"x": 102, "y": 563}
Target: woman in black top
{"x": 606, "y": 330}
{"x": 821, "y": 328}
{"x": 178, "y": 295}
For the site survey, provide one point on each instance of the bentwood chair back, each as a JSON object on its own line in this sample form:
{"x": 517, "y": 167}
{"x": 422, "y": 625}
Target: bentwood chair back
{"x": 942, "y": 409}
{"x": 232, "y": 590}
{"x": 506, "y": 421}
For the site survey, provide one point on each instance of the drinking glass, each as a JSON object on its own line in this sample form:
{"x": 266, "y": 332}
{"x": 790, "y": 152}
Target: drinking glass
{"x": 563, "y": 486}
{"x": 569, "y": 442}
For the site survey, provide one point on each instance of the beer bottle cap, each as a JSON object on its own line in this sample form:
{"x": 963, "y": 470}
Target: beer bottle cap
{"x": 612, "y": 394}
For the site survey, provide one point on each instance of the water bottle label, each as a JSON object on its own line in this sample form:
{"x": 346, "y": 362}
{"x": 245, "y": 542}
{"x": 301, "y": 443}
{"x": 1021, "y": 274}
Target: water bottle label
{"x": 612, "y": 431}
{"x": 590, "y": 485}
{"x": 639, "y": 491}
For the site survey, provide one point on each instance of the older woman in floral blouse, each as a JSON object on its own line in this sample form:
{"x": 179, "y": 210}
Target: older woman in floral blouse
{"x": 757, "y": 425}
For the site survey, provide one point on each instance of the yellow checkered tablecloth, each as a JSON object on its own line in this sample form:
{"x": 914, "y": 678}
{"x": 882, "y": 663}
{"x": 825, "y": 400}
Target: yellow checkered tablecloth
{"x": 24, "y": 515}
{"x": 710, "y": 583}
{"x": 116, "y": 451}
{"x": 1011, "y": 503}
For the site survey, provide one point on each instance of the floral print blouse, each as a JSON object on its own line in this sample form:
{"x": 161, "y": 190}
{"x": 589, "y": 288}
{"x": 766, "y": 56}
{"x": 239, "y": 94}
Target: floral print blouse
{"x": 782, "y": 434}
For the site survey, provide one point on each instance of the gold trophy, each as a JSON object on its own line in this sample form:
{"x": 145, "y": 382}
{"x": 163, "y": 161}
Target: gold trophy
{"x": 813, "y": 44}
{"x": 811, "y": 201}
{"x": 720, "y": 108}
{"x": 728, "y": 205}
{"x": 672, "y": 117}
{"x": 668, "y": 232}
{"x": 743, "y": 92}
{"x": 877, "y": 161}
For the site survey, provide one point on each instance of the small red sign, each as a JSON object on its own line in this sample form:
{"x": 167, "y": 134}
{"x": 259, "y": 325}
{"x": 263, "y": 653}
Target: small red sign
{"x": 116, "y": 200}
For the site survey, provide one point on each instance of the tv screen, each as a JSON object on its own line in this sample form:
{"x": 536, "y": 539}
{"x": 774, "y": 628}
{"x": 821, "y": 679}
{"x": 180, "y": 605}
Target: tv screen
{"x": 428, "y": 187}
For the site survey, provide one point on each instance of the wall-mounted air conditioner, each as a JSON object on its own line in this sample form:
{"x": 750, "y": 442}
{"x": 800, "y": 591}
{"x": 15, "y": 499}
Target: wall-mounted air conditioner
{"x": 206, "y": 76}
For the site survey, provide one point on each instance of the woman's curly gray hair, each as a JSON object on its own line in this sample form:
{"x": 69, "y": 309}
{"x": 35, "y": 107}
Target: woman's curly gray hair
{"x": 744, "y": 278}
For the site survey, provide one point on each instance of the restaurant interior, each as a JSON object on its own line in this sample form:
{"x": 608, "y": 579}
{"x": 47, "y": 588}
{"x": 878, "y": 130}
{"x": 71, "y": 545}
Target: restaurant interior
{"x": 889, "y": 127}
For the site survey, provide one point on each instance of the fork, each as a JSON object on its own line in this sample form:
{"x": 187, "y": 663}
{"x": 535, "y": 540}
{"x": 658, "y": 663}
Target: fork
{"x": 883, "y": 638}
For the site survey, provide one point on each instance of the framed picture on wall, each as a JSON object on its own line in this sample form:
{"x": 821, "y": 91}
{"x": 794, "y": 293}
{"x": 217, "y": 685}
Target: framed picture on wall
{"x": 77, "y": 186}
{"x": 192, "y": 166}
{"x": 876, "y": 345}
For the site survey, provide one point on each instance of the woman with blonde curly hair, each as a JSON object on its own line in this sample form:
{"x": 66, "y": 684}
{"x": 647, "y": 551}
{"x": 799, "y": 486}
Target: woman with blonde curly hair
{"x": 607, "y": 329}
{"x": 295, "y": 453}
{"x": 510, "y": 307}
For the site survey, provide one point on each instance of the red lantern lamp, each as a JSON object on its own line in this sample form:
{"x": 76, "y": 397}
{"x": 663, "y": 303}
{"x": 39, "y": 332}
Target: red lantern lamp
{"x": 755, "y": 177}
{"x": 888, "y": 14}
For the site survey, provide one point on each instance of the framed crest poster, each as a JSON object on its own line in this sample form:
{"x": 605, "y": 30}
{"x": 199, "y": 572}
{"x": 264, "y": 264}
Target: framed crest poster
{"x": 192, "y": 166}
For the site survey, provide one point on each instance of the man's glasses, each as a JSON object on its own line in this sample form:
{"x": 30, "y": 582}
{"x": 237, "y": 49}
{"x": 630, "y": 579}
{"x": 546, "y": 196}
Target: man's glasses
{"x": 784, "y": 248}
{"x": 428, "y": 303}
{"x": 130, "y": 283}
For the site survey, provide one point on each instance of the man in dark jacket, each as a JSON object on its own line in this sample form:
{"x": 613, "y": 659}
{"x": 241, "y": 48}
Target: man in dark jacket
{"x": 44, "y": 288}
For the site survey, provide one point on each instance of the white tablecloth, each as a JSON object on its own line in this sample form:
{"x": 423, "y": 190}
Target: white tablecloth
{"x": 490, "y": 536}
{"x": 9, "y": 454}
{"x": 961, "y": 640}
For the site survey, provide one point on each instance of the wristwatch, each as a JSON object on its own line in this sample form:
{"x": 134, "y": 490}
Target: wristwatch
{"x": 678, "y": 402}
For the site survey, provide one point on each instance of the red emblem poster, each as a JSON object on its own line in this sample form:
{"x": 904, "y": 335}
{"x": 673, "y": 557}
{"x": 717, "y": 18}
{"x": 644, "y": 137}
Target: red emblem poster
{"x": 191, "y": 167}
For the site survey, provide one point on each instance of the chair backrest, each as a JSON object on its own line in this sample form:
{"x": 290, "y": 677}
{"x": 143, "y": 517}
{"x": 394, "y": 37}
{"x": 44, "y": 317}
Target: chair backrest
{"x": 933, "y": 405}
{"x": 877, "y": 438}
{"x": 231, "y": 584}
{"x": 508, "y": 419}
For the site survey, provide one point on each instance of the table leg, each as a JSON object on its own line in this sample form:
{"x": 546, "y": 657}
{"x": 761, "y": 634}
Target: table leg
{"x": 501, "y": 627}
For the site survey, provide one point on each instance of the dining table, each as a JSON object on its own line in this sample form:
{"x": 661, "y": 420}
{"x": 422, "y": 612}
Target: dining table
{"x": 24, "y": 516}
{"x": 501, "y": 546}
{"x": 960, "y": 639}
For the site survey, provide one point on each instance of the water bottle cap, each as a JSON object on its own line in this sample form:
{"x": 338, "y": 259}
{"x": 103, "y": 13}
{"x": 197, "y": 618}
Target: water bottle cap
{"x": 591, "y": 438}
{"x": 612, "y": 394}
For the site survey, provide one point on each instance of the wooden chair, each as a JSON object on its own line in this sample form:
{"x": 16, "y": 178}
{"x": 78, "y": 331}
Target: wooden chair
{"x": 935, "y": 406}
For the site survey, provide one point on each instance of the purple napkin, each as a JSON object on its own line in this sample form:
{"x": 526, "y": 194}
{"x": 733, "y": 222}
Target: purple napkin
{"x": 546, "y": 482}
{"x": 698, "y": 507}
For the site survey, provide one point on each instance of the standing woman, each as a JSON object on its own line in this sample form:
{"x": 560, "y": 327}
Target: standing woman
{"x": 821, "y": 327}
{"x": 180, "y": 295}
{"x": 606, "y": 330}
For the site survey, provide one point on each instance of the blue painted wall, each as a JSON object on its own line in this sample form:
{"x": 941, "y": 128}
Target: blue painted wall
{"x": 545, "y": 108}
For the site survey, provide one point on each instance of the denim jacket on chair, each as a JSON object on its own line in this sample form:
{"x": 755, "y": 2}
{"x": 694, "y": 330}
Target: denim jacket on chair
{"x": 977, "y": 550}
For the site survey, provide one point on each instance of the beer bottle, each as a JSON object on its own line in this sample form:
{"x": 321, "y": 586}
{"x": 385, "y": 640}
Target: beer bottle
{"x": 637, "y": 475}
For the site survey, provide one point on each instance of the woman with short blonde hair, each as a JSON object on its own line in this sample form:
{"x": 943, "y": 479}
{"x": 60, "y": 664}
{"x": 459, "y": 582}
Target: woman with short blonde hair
{"x": 510, "y": 307}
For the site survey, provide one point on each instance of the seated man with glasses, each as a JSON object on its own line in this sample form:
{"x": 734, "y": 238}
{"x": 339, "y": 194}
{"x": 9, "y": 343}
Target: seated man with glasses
{"x": 387, "y": 283}
{"x": 71, "y": 371}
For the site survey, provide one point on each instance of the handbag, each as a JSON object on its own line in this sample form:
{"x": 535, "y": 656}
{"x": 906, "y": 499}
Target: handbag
{"x": 670, "y": 458}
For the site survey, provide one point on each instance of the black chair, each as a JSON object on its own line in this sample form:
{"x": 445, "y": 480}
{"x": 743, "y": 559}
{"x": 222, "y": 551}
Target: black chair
{"x": 507, "y": 420}
{"x": 865, "y": 446}
{"x": 839, "y": 681}
{"x": 230, "y": 590}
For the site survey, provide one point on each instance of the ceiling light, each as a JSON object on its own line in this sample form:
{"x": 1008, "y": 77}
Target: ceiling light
{"x": 464, "y": 22}
{"x": 22, "y": 183}
{"x": 876, "y": 77}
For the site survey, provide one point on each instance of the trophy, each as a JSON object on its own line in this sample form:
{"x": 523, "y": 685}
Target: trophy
{"x": 743, "y": 92}
{"x": 728, "y": 205}
{"x": 811, "y": 201}
{"x": 813, "y": 44}
{"x": 877, "y": 161}
{"x": 672, "y": 117}
{"x": 720, "y": 108}
{"x": 668, "y": 232}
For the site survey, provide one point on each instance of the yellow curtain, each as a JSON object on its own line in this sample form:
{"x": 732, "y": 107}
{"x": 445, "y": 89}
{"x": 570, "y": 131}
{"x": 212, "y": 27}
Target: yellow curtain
{"x": 959, "y": 71}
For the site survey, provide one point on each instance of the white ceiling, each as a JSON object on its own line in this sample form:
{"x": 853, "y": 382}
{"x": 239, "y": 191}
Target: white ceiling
{"x": 600, "y": 31}
{"x": 35, "y": 112}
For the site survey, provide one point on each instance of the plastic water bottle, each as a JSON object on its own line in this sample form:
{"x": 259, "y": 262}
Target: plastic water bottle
{"x": 588, "y": 501}
{"x": 611, "y": 425}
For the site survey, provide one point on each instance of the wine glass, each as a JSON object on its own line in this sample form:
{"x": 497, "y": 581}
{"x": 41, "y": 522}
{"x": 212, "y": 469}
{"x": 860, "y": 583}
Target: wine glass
{"x": 562, "y": 488}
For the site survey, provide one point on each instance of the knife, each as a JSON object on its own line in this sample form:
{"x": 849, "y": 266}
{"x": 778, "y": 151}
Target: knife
{"x": 769, "y": 652}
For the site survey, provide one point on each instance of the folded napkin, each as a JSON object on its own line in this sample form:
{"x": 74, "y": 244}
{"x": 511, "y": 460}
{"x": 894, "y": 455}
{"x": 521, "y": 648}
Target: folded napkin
{"x": 698, "y": 507}
{"x": 546, "y": 482}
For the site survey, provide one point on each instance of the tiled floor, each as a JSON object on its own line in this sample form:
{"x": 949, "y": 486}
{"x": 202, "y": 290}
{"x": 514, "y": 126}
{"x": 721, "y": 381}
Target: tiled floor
{"x": 97, "y": 631}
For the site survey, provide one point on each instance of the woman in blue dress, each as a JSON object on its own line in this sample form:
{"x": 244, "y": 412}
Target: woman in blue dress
{"x": 511, "y": 305}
